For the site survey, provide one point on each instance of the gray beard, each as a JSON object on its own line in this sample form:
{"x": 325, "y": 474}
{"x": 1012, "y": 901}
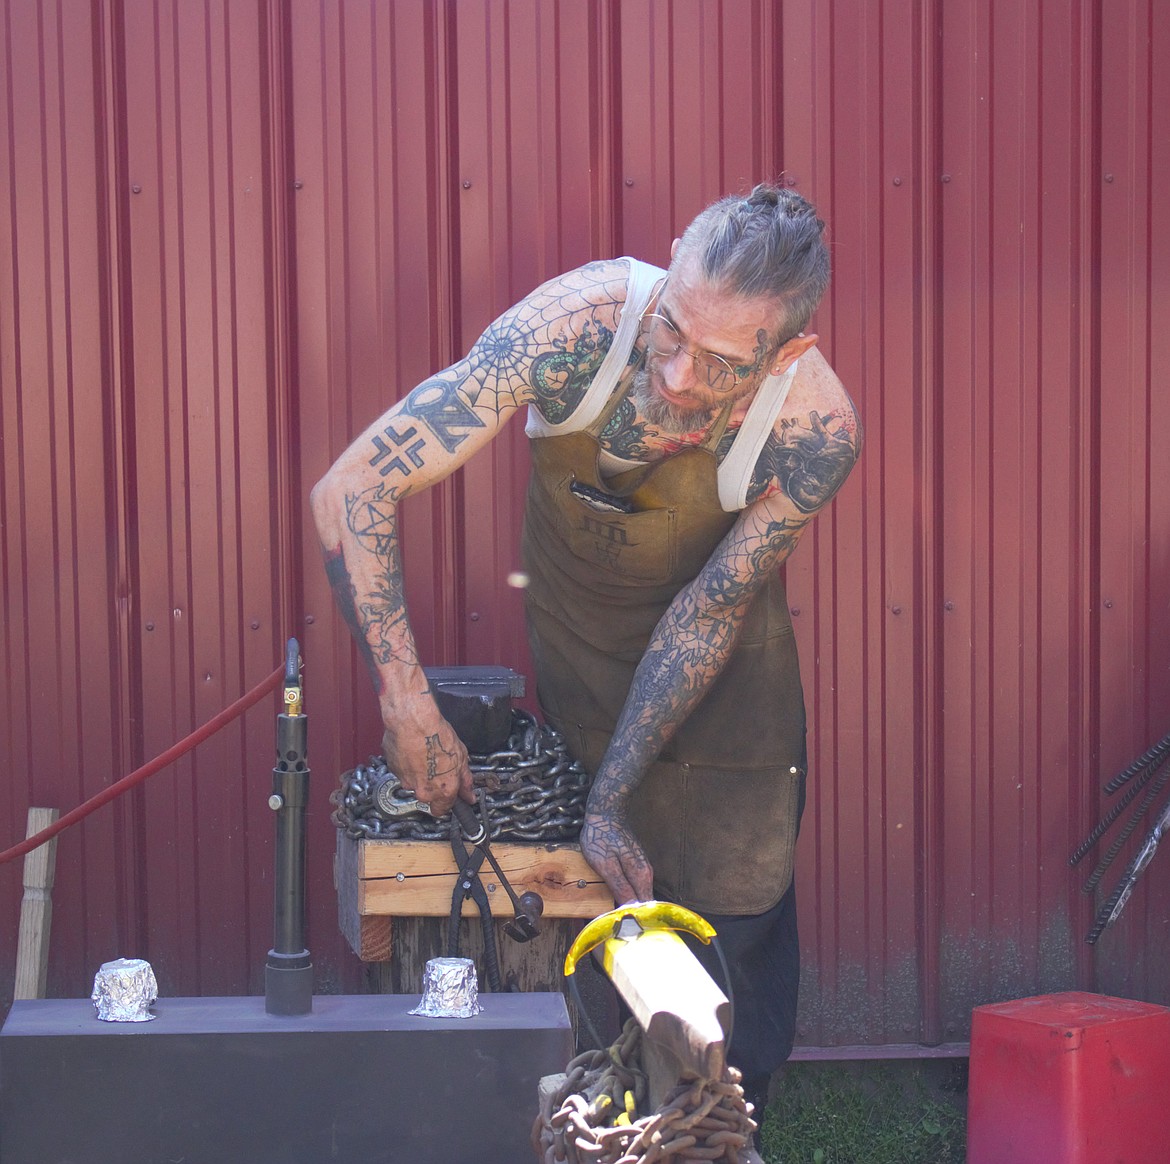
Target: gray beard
{"x": 663, "y": 415}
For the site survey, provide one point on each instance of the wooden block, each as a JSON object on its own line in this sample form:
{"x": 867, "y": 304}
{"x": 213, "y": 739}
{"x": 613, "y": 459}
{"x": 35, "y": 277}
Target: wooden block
{"x": 36, "y": 910}
{"x": 675, "y": 1001}
{"x": 369, "y": 893}
{"x": 417, "y": 878}
{"x": 368, "y": 937}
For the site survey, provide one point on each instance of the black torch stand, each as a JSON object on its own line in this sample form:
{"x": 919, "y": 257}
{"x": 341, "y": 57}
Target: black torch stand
{"x": 288, "y": 974}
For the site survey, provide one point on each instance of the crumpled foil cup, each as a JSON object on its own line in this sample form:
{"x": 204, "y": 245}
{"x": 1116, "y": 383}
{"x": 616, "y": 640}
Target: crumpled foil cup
{"x": 450, "y": 989}
{"x": 124, "y": 991}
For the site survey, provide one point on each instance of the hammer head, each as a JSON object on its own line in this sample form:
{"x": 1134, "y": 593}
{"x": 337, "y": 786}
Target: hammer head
{"x": 526, "y": 924}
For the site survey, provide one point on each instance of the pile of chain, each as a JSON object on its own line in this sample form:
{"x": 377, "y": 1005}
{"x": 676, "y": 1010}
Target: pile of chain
{"x": 591, "y": 1116}
{"x": 535, "y": 791}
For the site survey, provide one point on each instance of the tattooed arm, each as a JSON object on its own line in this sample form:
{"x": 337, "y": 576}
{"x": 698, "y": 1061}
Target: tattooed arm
{"x": 698, "y": 632}
{"x": 532, "y": 353}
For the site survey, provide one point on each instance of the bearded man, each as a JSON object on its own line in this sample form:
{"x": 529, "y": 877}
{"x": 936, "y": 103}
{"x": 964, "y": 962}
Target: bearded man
{"x": 684, "y": 432}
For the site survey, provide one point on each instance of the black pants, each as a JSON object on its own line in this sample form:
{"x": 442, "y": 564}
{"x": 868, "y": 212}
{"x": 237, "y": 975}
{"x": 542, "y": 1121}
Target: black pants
{"x": 763, "y": 955}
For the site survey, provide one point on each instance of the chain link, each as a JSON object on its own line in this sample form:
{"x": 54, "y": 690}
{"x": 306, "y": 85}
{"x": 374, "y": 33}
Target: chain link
{"x": 593, "y": 1114}
{"x": 535, "y": 792}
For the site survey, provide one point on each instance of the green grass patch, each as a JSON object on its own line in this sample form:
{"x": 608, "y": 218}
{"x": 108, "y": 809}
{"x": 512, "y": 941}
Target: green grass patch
{"x": 868, "y": 1116}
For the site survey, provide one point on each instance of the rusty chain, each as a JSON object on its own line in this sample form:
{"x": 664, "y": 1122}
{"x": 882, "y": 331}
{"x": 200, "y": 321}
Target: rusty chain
{"x": 535, "y": 792}
{"x": 592, "y": 1115}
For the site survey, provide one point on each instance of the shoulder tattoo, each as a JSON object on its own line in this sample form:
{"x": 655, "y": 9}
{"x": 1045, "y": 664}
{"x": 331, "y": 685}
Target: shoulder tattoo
{"x": 809, "y": 460}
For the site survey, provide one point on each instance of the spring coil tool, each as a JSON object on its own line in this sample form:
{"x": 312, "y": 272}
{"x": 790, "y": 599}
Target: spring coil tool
{"x": 527, "y": 908}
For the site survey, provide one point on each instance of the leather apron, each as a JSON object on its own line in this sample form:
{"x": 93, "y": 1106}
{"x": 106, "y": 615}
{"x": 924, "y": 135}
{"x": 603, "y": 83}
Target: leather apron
{"x": 718, "y": 812}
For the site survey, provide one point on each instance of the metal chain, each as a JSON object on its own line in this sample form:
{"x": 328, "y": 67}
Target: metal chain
{"x": 592, "y": 1115}
{"x": 535, "y": 791}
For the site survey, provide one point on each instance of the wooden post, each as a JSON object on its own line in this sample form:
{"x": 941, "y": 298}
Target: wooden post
{"x": 36, "y": 909}
{"x": 677, "y": 1004}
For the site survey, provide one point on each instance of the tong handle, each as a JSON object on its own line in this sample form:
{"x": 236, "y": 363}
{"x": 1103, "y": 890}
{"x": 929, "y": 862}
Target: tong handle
{"x": 474, "y": 830}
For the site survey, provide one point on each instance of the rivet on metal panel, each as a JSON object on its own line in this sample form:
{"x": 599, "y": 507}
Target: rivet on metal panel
{"x": 466, "y": 183}
{"x": 895, "y": 610}
{"x": 948, "y": 605}
{"x": 629, "y": 181}
{"x": 310, "y": 619}
{"x": 298, "y": 185}
{"x": 1108, "y": 177}
{"x": 897, "y": 181}
{"x": 150, "y": 626}
{"x": 946, "y": 177}
{"x": 793, "y": 180}
{"x": 1108, "y": 604}
{"x": 255, "y": 625}
{"x": 474, "y": 616}
{"x": 796, "y": 612}
{"x": 136, "y": 189}
{"x": 178, "y": 613}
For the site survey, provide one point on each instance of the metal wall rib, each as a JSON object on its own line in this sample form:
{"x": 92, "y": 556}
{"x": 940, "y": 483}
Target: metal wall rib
{"x": 238, "y": 231}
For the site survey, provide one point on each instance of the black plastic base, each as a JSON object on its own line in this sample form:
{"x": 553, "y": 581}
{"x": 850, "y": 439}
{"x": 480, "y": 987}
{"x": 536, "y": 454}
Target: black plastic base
{"x": 218, "y": 1079}
{"x": 288, "y": 983}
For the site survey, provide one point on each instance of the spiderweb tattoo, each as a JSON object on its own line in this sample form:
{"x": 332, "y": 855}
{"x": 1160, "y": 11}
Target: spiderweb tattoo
{"x": 549, "y": 346}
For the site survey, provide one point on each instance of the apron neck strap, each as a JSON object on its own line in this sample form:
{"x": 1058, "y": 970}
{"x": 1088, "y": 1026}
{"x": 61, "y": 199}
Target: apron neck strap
{"x": 718, "y": 428}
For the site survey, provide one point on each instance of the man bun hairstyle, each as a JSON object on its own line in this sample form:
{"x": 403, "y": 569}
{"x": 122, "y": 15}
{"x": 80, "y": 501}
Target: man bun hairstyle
{"x": 768, "y": 244}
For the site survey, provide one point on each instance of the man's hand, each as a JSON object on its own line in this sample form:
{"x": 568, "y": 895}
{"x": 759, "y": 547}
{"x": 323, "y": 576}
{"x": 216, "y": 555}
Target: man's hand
{"x": 433, "y": 766}
{"x": 610, "y": 848}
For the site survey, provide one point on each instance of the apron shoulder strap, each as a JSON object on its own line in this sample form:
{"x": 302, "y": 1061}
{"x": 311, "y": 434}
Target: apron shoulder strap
{"x": 639, "y": 288}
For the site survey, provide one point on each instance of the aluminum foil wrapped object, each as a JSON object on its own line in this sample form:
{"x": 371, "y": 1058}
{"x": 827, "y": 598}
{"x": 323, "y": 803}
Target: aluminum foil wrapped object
{"x": 124, "y": 991}
{"x": 450, "y": 989}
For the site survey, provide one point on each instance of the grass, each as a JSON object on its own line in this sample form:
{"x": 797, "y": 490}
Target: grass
{"x": 872, "y": 1116}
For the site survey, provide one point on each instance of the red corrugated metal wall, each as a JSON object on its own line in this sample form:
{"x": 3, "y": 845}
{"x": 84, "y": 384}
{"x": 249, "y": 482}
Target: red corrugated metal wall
{"x": 237, "y": 231}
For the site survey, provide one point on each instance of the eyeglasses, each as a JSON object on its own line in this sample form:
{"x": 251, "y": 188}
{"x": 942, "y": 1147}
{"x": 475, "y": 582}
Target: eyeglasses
{"x": 662, "y": 339}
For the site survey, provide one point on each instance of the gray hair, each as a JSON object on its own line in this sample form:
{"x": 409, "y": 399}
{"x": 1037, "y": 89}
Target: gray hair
{"x": 768, "y": 245}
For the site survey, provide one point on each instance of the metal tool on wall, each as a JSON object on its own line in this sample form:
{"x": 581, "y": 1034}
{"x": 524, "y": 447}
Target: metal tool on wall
{"x": 1146, "y": 777}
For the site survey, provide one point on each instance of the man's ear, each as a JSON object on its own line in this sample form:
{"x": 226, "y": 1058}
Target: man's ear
{"x": 674, "y": 248}
{"x": 792, "y": 350}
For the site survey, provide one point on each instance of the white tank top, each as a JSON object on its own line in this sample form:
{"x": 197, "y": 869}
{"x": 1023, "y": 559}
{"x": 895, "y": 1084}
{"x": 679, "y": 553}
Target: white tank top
{"x": 735, "y": 470}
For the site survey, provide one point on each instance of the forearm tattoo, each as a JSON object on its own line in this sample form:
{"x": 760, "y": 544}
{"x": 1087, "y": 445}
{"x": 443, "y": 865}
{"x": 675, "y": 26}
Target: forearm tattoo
{"x": 689, "y": 648}
{"x": 344, "y": 593}
{"x": 380, "y": 613}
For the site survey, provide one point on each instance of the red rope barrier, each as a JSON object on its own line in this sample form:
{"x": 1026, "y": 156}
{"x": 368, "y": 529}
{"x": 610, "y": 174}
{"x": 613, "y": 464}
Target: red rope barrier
{"x": 149, "y": 769}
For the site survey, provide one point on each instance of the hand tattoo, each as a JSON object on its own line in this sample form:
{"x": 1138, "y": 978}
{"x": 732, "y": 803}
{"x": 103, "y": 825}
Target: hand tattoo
{"x": 440, "y": 761}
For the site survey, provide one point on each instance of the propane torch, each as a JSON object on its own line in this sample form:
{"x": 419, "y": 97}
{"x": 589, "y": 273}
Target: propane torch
{"x": 288, "y": 974}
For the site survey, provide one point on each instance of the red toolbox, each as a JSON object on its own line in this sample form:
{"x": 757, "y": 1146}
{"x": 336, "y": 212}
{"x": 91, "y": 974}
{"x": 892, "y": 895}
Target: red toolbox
{"x": 1069, "y": 1079}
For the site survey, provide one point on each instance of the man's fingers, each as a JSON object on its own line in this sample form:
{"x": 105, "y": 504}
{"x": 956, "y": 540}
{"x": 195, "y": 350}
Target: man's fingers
{"x": 623, "y": 892}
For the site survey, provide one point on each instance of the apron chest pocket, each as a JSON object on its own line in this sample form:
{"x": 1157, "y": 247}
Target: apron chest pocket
{"x": 640, "y": 547}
